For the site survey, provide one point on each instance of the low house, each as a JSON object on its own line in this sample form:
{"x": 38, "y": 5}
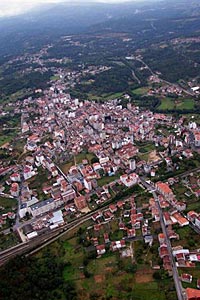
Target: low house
{"x": 129, "y": 180}
{"x": 106, "y": 238}
{"x": 112, "y": 208}
{"x": 167, "y": 219}
{"x": 107, "y": 215}
{"x": 15, "y": 177}
{"x": 197, "y": 222}
{"x": 122, "y": 226}
{"x": 180, "y": 257}
{"x": 14, "y": 189}
{"x": 161, "y": 238}
{"x": 181, "y": 220}
{"x": 186, "y": 278}
{"x": 117, "y": 245}
{"x": 192, "y": 215}
{"x": 163, "y": 251}
{"x": 167, "y": 263}
{"x": 192, "y": 294}
{"x": 131, "y": 233}
{"x": 100, "y": 249}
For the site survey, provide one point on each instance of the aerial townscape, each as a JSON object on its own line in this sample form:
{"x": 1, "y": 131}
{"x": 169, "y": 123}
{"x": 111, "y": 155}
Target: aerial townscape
{"x": 100, "y": 159}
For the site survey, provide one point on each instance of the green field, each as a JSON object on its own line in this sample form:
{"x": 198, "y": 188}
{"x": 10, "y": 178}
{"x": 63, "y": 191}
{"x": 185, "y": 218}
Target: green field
{"x": 15, "y": 96}
{"x": 105, "y": 96}
{"x": 147, "y": 148}
{"x": 141, "y": 91}
{"x": 55, "y": 77}
{"x": 186, "y": 104}
{"x": 8, "y": 203}
{"x": 5, "y": 139}
{"x": 105, "y": 276}
{"x": 107, "y": 179}
{"x": 169, "y": 103}
{"x": 150, "y": 291}
{"x": 193, "y": 206}
{"x": 112, "y": 96}
{"x": 8, "y": 240}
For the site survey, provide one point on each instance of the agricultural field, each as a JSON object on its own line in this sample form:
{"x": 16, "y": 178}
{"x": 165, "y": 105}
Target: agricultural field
{"x": 180, "y": 104}
{"x": 185, "y": 104}
{"x": 110, "y": 276}
{"x": 167, "y": 103}
{"x": 105, "y": 96}
{"x": 141, "y": 91}
{"x": 112, "y": 96}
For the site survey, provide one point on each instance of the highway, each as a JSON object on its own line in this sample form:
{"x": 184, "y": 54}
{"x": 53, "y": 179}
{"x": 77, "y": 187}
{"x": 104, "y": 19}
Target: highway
{"x": 177, "y": 282}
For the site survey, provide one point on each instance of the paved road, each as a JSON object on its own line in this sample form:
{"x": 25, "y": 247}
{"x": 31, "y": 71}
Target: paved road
{"x": 177, "y": 282}
{"x": 178, "y": 285}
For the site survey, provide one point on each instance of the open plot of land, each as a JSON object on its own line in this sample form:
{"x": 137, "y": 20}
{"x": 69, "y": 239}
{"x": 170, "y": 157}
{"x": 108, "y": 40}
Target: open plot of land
{"x": 144, "y": 276}
{"x": 74, "y": 258}
{"x": 144, "y": 156}
{"x": 153, "y": 156}
{"x": 94, "y": 97}
{"x": 99, "y": 278}
{"x": 78, "y": 158}
{"x": 193, "y": 206}
{"x": 147, "y": 148}
{"x": 107, "y": 179}
{"x": 181, "y": 104}
{"x": 112, "y": 96}
{"x": 150, "y": 291}
{"x": 8, "y": 203}
{"x": 167, "y": 103}
{"x": 185, "y": 104}
{"x": 106, "y": 262}
{"x": 141, "y": 91}
{"x": 105, "y": 96}
{"x": 7, "y": 241}
{"x": 65, "y": 168}
{"x": 54, "y": 78}
{"x": 7, "y": 137}
{"x": 188, "y": 238}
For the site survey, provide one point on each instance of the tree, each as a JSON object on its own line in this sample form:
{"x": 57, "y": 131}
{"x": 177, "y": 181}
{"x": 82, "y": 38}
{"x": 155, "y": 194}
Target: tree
{"x": 157, "y": 275}
{"x": 94, "y": 160}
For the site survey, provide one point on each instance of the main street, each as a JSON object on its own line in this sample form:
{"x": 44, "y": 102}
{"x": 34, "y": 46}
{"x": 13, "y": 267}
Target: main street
{"x": 177, "y": 282}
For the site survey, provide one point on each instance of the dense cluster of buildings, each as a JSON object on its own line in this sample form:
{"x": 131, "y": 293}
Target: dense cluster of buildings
{"x": 112, "y": 136}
